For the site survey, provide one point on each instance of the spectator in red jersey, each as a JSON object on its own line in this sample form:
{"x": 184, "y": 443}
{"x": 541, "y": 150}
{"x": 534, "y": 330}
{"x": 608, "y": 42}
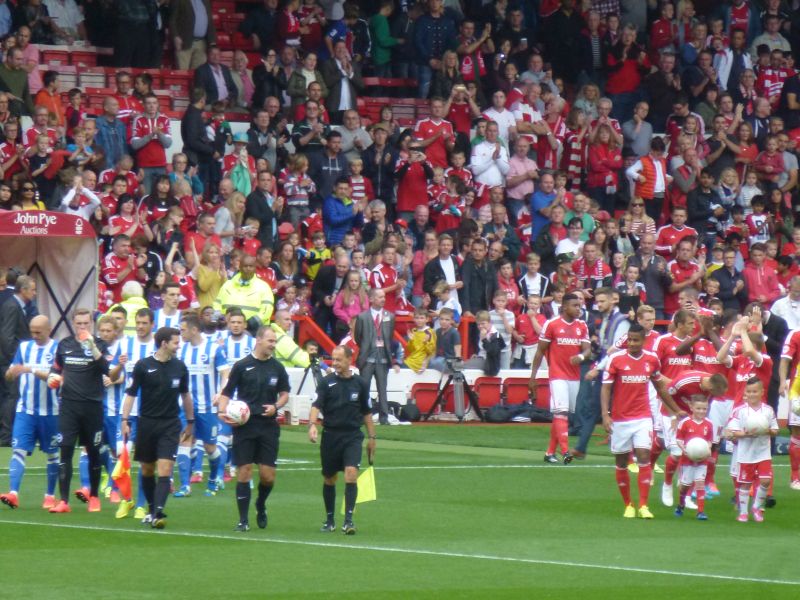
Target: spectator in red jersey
{"x": 605, "y": 161}
{"x": 119, "y": 266}
{"x": 205, "y": 233}
{"x": 412, "y": 175}
{"x": 41, "y": 120}
{"x": 761, "y": 282}
{"x": 150, "y": 137}
{"x": 12, "y": 154}
{"x": 156, "y": 205}
{"x": 434, "y": 135}
{"x": 384, "y": 276}
{"x": 685, "y": 272}
{"x": 627, "y": 63}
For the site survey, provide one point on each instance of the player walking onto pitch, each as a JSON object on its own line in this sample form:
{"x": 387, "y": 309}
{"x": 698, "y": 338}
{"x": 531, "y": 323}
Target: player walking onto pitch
{"x": 343, "y": 399}
{"x": 157, "y": 381}
{"x": 37, "y": 411}
{"x": 629, "y": 420}
{"x": 263, "y": 383}
{"x": 753, "y": 448}
{"x": 693, "y": 473}
{"x": 565, "y": 341}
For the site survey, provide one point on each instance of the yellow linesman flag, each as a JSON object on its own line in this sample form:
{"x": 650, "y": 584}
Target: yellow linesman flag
{"x": 366, "y": 487}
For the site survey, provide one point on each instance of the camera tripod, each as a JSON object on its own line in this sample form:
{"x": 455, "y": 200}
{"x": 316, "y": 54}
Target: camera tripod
{"x": 460, "y": 387}
{"x": 316, "y": 374}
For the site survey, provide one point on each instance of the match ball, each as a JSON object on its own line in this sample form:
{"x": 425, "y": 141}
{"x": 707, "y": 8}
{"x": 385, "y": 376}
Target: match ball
{"x": 237, "y": 411}
{"x": 796, "y": 406}
{"x": 756, "y": 423}
{"x": 697, "y": 449}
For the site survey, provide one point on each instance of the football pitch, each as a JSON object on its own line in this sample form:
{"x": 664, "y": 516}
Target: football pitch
{"x": 463, "y": 511}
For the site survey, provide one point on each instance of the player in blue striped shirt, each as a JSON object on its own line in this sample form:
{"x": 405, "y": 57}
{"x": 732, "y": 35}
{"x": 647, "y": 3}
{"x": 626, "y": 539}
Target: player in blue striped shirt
{"x": 208, "y": 371}
{"x": 238, "y": 344}
{"x": 37, "y": 410}
{"x": 169, "y": 315}
{"x": 111, "y": 333}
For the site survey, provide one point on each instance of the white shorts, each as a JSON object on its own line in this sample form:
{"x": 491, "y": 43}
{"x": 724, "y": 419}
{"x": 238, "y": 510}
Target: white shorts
{"x": 692, "y": 473}
{"x": 627, "y": 435}
{"x": 719, "y": 412}
{"x": 563, "y": 395}
{"x": 668, "y": 434}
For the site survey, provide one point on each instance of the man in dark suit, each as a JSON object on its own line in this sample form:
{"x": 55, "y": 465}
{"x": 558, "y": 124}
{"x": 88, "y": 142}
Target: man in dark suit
{"x": 215, "y": 78}
{"x": 373, "y": 333}
{"x": 196, "y": 145}
{"x": 327, "y": 284}
{"x": 262, "y": 205}
{"x": 343, "y": 78}
{"x": 13, "y": 329}
{"x": 775, "y": 331}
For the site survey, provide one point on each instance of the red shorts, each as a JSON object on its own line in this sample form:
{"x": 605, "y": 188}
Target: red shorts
{"x": 749, "y": 472}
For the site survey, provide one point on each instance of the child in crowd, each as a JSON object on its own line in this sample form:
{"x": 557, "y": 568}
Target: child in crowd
{"x": 445, "y": 298}
{"x": 218, "y": 130}
{"x": 178, "y": 273}
{"x": 457, "y": 162}
{"x": 632, "y": 293}
{"x": 507, "y": 283}
{"x": 250, "y": 241}
{"x": 526, "y": 336}
{"x": 693, "y": 474}
{"x": 738, "y": 224}
{"x": 758, "y": 222}
{"x": 421, "y": 347}
{"x": 709, "y": 293}
{"x": 358, "y": 263}
{"x": 298, "y": 188}
{"x": 503, "y": 322}
{"x": 317, "y": 255}
{"x": 448, "y": 206}
{"x": 553, "y": 307}
{"x": 533, "y": 282}
{"x": 362, "y": 191}
{"x": 769, "y": 163}
{"x": 749, "y": 190}
{"x": 448, "y": 341}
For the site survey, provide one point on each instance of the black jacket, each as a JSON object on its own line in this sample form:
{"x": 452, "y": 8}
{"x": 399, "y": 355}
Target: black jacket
{"x": 698, "y": 206}
{"x": 480, "y": 283}
{"x": 380, "y": 171}
{"x": 324, "y": 285}
{"x": 196, "y": 145}
{"x": 727, "y": 283}
{"x": 433, "y": 274}
{"x": 13, "y": 330}
{"x": 204, "y": 78}
{"x": 257, "y": 207}
{"x": 267, "y": 84}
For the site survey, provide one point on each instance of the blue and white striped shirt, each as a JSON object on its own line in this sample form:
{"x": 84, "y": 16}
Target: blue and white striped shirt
{"x": 115, "y": 393}
{"x": 235, "y": 350}
{"x": 35, "y": 397}
{"x": 204, "y": 362}
{"x": 136, "y": 351}
{"x": 161, "y": 319}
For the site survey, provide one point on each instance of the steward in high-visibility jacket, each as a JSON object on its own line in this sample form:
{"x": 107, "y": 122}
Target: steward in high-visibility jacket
{"x": 287, "y": 352}
{"x": 249, "y": 293}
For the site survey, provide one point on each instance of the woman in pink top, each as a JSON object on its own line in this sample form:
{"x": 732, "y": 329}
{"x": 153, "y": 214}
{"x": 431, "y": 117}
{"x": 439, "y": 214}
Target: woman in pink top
{"x": 421, "y": 257}
{"x": 31, "y": 58}
{"x": 350, "y": 301}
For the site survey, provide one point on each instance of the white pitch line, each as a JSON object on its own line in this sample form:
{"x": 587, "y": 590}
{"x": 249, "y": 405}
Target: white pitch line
{"x": 421, "y": 552}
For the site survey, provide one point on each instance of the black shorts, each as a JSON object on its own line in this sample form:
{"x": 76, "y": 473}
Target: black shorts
{"x": 340, "y": 449}
{"x": 157, "y": 439}
{"x": 80, "y": 422}
{"x": 256, "y": 442}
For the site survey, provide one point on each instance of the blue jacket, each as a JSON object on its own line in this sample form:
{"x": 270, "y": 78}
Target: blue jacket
{"x": 337, "y": 219}
{"x": 112, "y": 137}
{"x": 433, "y": 36}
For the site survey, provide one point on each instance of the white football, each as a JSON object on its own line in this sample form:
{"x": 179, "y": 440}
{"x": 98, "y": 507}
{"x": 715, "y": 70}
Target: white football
{"x": 237, "y": 411}
{"x": 756, "y": 423}
{"x": 796, "y": 406}
{"x": 697, "y": 449}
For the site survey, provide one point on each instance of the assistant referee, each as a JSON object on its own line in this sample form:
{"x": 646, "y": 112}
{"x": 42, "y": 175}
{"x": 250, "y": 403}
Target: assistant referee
{"x": 160, "y": 378}
{"x": 263, "y": 383}
{"x": 343, "y": 399}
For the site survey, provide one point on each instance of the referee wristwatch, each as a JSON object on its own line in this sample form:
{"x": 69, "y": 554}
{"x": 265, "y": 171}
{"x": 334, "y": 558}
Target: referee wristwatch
{"x": 373, "y": 437}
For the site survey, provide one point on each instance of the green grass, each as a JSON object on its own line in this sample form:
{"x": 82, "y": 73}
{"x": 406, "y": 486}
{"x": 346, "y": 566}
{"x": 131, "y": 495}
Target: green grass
{"x": 478, "y": 515}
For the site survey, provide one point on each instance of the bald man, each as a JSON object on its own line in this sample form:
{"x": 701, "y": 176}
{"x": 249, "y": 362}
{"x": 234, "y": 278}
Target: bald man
{"x": 36, "y": 420}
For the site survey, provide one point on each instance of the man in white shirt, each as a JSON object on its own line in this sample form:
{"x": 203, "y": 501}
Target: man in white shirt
{"x": 506, "y": 123}
{"x": 66, "y": 20}
{"x": 788, "y": 307}
{"x": 489, "y": 160}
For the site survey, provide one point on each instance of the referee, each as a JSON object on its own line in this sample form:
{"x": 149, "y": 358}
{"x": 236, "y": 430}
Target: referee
{"x": 160, "y": 378}
{"x": 78, "y": 368}
{"x": 263, "y": 383}
{"x": 343, "y": 399}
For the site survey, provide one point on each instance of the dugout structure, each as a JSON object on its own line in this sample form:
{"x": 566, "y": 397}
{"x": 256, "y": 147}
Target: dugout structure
{"x": 60, "y": 252}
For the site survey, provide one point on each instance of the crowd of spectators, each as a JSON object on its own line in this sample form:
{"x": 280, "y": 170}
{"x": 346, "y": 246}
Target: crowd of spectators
{"x": 647, "y": 147}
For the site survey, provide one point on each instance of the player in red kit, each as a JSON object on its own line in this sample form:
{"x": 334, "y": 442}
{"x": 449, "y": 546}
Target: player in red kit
{"x": 686, "y": 386}
{"x": 752, "y": 362}
{"x": 565, "y": 342}
{"x": 384, "y": 277}
{"x": 790, "y": 357}
{"x": 693, "y": 474}
{"x": 685, "y": 272}
{"x": 626, "y": 414}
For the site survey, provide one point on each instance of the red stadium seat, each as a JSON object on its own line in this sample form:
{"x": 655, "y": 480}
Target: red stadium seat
{"x": 56, "y": 58}
{"x": 83, "y": 58}
{"x": 424, "y": 395}
{"x": 515, "y": 390}
{"x": 178, "y": 82}
{"x": 488, "y": 390}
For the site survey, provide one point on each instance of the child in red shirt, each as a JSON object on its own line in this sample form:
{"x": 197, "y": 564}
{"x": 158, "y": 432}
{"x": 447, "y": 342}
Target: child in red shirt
{"x": 526, "y": 336}
{"x": 769, "y": 163}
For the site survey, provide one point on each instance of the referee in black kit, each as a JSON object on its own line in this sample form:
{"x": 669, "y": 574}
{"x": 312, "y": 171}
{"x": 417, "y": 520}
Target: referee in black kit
{"x": 81, "y": 361}
{"x": 343, "y": 400}
{"x": 160, "y": 378}
{"x": 263, "y": 383}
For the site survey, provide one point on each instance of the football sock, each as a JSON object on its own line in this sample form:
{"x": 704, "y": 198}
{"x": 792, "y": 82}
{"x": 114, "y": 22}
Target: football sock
{"x": 655, "y": 451}
{"x": 213, "y": 466}
{"x": 83, "y": 469}
{"x": 222, "y": 445}
{"x": 161, "y": 495}
{"x": 761, "y": 495}
{"x": 107, "y": 461}
{"x": 149, "y": 487}
{"x": 744, "y": 499}
{"x": 551, "y": 446}
{"x": 669, "y": 469}
{"x": 184, "y": 465}
{"x": 243, "y": 500}
{"x": 701, "y": 497}
{"x": 95, "y": 470}
{"x": 643, "y": 479}
{"x": 329, "y": 497}
{"x": 263, "y": 493}
{"x": 16, "y": 469}
{"x": 624, "y": 484}
{"x": 52, "y": 473}
{"x": 350, "y": 495}
{"x": 65, "y": 471}
{"x": 197, "y": 454}
{"x": 682, "y": 496}
{"x": 141, "y": 500}
{"x": 794, "y": 457}
{"x": 563, "y": 433}
{"x": 711, "y": 467}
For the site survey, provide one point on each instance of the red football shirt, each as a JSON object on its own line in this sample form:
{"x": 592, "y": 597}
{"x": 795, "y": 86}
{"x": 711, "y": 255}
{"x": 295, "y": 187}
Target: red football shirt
{"x": 649, "y": 341}
{"x": 672, "y": 365}
{"x": 704, "y": 357}
{"x": 791, "y": 350}
{"x": 688, "y": 428}
{"x": 565, "y": 340}
{"x": 679, "y": 273}
{"x": 684, "y": 387}
{"x": 629, "y": 375}
{"x": 436, "y": 151}
{"x": 383, "y": 276}
{"x": 741, "y": 370}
